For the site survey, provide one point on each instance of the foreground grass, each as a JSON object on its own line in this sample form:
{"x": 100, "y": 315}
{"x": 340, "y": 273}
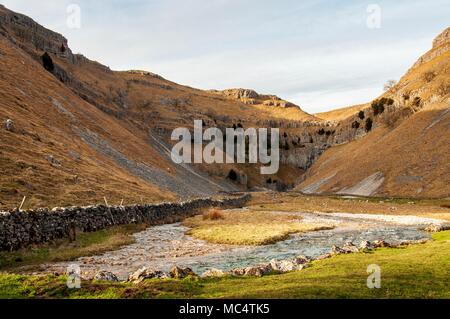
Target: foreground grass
{"x": 420, "y": 271}
{"x": 248, "y": 227}
{"x": 86, "y": 244}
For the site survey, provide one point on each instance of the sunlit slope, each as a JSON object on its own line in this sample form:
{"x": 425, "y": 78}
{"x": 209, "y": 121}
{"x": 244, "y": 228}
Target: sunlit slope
{"x": 407, "y": 151}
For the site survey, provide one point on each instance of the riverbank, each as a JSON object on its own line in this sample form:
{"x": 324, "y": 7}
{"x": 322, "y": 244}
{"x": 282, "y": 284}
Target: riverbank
{"x": 162, "y": 247}
{"x": 417, "y": 271}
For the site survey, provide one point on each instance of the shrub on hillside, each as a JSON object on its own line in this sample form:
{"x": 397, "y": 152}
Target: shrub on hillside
{"x": 355, "y": 125}
{"x": 213, "y": 214}
{"x": 369, "y": 124}
{"x": 379, "y": 106}
{"x": 361, "y": 115}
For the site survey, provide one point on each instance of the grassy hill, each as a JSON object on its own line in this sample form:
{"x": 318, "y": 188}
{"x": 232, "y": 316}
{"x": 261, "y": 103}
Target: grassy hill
{"x": 79, "y": 132}
{"x": 406, "y": 152}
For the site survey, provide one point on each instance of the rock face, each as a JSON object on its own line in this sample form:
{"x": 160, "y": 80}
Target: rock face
{"x": 23, "y": 29}
{"x": 106, "y": 276}
{"x": 241, "y": 93}
{"x": 441, "y": 44}
{"x": 19, "y": 229}
{"x": 146, "y": 273}
{"x": 251, "y": 97}
{"x": 442, "y": 38}
{"x": 303, "y": 157}
{"x": 180, "y": 273}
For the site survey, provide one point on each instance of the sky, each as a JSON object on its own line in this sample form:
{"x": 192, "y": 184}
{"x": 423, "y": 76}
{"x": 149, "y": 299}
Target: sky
{"x": 320, "y": 54}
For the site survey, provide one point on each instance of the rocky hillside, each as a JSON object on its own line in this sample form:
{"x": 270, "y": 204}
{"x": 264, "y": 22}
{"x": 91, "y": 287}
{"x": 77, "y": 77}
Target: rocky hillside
{"x": 402, "y": 137}
{"x": 74, "y": 131}
{"x": 264, "y": 102}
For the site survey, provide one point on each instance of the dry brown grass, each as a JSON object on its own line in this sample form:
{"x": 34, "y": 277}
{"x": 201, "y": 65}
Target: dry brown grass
{"x": 213, "y": 214}
{"x": 248, "y": 227}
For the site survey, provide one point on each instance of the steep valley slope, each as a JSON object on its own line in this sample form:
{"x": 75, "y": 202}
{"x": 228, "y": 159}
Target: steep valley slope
{"x": 79, "y": 132}
{"x": 407, "y": 152}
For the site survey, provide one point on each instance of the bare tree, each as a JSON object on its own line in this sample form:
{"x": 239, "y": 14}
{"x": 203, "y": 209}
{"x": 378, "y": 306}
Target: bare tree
{"x": 390, "y": 85}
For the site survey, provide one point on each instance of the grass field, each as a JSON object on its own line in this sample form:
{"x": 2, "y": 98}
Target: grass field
{"x": 420, "y": 271}
{"x": 248, "y": 227}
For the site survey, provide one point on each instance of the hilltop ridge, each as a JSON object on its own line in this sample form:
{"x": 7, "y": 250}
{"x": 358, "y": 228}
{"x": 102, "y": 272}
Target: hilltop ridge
{"x": 75, "y": 131}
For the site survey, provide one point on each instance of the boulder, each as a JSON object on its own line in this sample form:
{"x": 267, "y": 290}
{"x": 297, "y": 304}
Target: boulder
{"x": 366, "y": 245}
{"x": 302, "y": 260}
{"x": 253, "y": 272}
{"x": 237, "y": 272}
{"x": 213, "y": 273}
{"x": 335, "y": 250}
{"x": 381, "y": 243}
{"x": 106, "y": 276}
{"x": 435, "y": 228}
{"x": 350, "y": 248}
{"x": 258, "y": 270}
{"x": 180, "y": 273}
{"x": 146, "y": 273}
{"x": 284, "y": 266}
{"x": 9, "y": 125}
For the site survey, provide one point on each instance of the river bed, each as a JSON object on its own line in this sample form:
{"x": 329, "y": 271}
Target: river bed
{"x": 162, "y": 247}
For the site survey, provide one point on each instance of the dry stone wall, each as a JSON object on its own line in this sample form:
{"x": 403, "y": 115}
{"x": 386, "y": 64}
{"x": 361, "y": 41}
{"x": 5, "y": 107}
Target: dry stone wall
{"x": 19, "y": 229}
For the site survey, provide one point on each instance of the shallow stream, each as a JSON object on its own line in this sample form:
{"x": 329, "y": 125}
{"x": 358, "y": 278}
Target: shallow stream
{"x": 162, "y": 247}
